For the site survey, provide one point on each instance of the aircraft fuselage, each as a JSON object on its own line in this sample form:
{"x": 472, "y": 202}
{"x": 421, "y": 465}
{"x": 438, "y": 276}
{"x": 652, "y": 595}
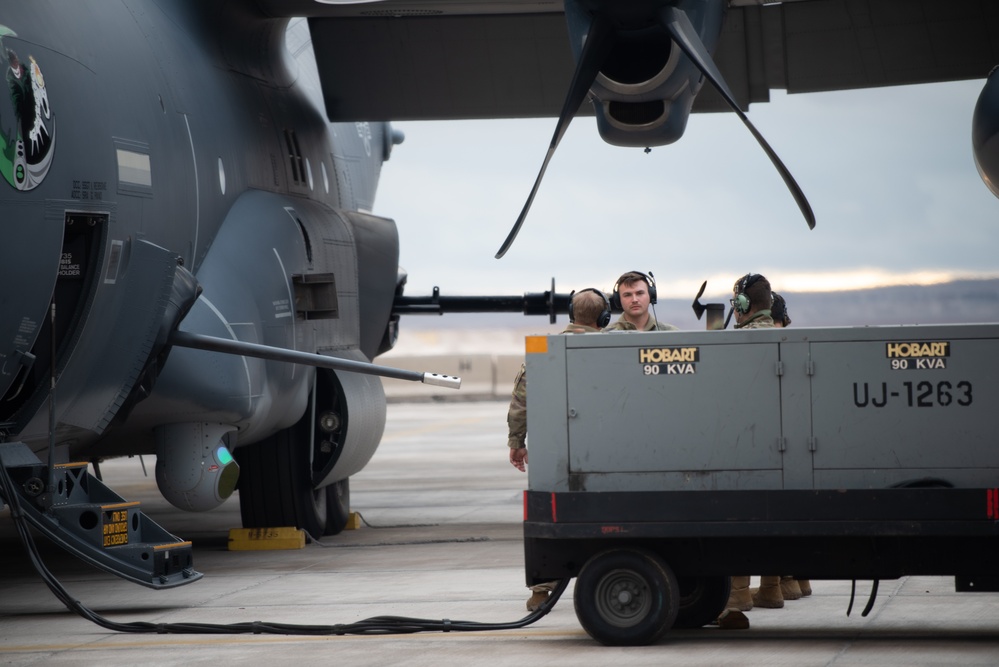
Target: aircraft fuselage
{"x": 145, "y": 143}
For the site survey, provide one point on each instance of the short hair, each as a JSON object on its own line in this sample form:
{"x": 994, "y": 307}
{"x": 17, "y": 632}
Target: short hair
{"x": 779, "y": 310}
{"x": 630, "y": 278}
{"x": 757, "y": 288}
{"x": 588, "y": 305}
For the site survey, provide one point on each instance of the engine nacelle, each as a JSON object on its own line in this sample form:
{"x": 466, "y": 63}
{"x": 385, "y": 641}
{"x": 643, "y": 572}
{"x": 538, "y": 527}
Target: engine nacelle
{"x": 985, "y": 132}
{"x": 646, "y": 87}
{"x": 194, "y": 469}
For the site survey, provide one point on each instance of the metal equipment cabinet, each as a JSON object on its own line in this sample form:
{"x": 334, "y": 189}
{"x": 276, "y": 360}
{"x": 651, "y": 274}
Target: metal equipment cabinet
{"x": 661, "y": 463}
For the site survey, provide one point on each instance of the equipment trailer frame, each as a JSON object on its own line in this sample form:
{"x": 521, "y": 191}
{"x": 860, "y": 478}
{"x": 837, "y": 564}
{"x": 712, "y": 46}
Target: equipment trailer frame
{"x": 663, "y": 463}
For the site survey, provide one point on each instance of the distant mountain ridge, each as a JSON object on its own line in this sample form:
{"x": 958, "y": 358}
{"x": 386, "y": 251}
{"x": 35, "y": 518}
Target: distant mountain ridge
{"x": 962, "y": 301}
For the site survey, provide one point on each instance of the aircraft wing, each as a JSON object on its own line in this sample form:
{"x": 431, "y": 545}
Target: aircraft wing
{"x": 447, "y": 59}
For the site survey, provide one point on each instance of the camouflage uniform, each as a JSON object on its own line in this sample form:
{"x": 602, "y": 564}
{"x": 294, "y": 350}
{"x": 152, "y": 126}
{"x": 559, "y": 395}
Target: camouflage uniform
{"x": 760, "y": 320}
{"x": 652, "y": 325}
{"x": 516, "y": 416}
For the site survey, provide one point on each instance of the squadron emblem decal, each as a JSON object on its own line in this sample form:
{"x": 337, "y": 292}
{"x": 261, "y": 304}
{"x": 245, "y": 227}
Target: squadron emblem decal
{"x": 26, "y": 151}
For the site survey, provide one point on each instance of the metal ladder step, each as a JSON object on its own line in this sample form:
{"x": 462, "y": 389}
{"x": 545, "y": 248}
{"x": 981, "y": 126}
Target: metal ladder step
{"x": 88, "y": 519}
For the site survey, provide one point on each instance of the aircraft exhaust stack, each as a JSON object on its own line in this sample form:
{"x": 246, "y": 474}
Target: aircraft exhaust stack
{"x": 194, "y": 469}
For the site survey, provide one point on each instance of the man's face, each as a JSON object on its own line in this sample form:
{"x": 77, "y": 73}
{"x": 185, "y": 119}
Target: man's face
{"x": 634, "y": 300}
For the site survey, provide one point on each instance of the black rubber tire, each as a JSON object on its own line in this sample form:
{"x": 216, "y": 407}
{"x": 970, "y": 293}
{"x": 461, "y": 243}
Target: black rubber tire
{"x": 275, "y": 485}
{"x": 702, "y": 599}
{"x": 626, "y": 597}
{"x": 337, "y": 506}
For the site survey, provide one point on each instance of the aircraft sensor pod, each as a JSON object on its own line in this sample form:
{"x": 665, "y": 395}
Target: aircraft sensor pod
{"x": 194, "y": 469}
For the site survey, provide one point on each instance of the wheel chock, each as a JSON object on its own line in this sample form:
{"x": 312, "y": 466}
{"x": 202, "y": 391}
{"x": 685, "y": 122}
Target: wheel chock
{"x": 266, "y": 539}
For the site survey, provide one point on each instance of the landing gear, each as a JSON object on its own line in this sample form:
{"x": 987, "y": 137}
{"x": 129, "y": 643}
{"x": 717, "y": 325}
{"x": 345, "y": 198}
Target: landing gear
{"x": 626, "y": 597}
{"x": 329, "y": 435}
{"x": 279, "y": 473}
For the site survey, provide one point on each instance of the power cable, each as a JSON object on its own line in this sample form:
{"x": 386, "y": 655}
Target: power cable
{"x": 376, "y": 625}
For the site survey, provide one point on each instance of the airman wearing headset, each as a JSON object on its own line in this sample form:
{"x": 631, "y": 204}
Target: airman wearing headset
{"x": 751, "y": 300}
{"x": 633, "y": 293}
{"x": 589, "y": 312}
{"x": 755, "y": 305}
{"x": 778, "y": 312}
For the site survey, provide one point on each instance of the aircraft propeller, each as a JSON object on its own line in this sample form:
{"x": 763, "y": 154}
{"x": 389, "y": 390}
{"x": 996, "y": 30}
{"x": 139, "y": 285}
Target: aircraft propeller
{"x": 680, "y": 29}
{"x": 599, "y": 42}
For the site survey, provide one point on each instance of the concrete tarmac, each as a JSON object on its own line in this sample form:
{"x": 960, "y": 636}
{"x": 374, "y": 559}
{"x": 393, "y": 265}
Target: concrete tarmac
{"x": 441, "y": 539}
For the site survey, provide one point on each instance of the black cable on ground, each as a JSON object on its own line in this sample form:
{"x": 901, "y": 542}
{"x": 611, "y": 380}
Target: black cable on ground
{"x": 377, "y": 625}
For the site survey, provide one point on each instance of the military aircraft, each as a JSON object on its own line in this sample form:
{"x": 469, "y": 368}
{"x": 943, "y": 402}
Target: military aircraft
{"x": 190, "y": 265}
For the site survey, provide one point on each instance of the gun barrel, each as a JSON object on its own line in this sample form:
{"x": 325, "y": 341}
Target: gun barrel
{"x": 548, "y": 303}
{"x": 225, "y": 345}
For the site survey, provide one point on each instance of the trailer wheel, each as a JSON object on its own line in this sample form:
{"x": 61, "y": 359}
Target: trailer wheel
{"x": 626, "y": 597}
{"x": 702, "y": 599}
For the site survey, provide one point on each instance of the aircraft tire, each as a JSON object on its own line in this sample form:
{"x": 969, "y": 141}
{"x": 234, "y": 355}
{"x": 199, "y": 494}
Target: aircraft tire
{"x": 337, "y": 506}
{"x": 275, "y": 488}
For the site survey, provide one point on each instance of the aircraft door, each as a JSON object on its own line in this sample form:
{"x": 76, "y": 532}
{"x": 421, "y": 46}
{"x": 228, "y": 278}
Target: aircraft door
{"x": 31, "y": 260}
{"x": 66, "y": 280}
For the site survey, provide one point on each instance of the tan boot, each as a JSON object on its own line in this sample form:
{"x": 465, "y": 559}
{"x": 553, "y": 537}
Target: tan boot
{"x": 789, "y": 588}
{"x": 768, "y": 595}
{"x": 733, "y": 619}
{"x": 806, "y": 587}
{"x": 537, "y": 599}
{"x": 739, "y": 598}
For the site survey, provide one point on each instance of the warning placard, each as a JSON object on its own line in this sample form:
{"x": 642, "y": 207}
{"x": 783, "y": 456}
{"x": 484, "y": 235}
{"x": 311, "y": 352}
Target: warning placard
{"x": 115, "y": 527}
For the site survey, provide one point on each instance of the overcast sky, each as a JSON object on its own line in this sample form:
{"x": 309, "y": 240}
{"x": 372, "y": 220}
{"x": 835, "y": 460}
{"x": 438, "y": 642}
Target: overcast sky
{"x": 889, "y": 174}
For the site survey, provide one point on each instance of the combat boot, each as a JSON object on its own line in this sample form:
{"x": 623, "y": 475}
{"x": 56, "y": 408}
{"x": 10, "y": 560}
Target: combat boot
{"x": 789, "y": 588}
{"x": 537, "y": 599}
{"x": 768, "y": 595}
{"x": 732, "y": 619}
{"x": 740, "y": 598}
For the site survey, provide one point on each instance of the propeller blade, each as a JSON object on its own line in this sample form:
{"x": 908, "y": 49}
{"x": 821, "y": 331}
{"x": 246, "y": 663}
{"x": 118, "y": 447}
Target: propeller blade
{"x": 683, "y": 33}
{"x": 698, "y": 307}
{"x": 599, "y": 39}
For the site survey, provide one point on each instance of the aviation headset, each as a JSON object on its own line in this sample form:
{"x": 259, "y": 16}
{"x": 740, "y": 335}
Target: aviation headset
{"x": 605, "y": 314}
{"x": 615, "y": 300}
{"x": 778, "y": 311}
{"x": 742, "y": 303}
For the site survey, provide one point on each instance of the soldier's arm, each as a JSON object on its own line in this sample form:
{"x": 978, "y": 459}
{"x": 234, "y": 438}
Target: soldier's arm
{"x": 516, "y": 416}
